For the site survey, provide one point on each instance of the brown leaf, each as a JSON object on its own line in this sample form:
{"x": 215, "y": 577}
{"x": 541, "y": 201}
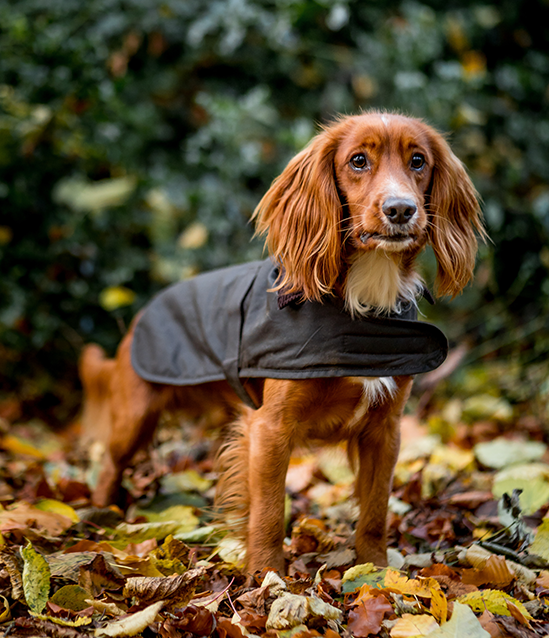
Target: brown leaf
{"x": 255, "y": 601}
{"x": 487, "y": 620}
{"x": 252, "y": 621}
{"x": 44, "y": 628}
{"x": 310, "y": 535}
{"x": 225, "y": 628}
{"x": 470, "y": 500}
{"x": 99, "y": 576}
{"x": 24, "y": 516}
{"x": 195, "y": 620}
{"x": 365, "y": 619}
{"x": 177, "y": 589}
{"x": 14, "y": 567}
{"x": 495, "y": 572}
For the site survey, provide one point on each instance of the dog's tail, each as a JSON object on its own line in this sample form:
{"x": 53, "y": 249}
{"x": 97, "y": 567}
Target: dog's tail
{"x": 96, "y": 372}
{"x": 232, "y": 497}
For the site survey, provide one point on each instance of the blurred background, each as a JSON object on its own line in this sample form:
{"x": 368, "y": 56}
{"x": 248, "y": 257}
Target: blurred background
{"x": 137, "y": 136}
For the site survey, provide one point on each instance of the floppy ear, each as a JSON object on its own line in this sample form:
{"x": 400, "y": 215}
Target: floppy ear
{"x": 300, "y": 215}
{"x": 455, "y": 218}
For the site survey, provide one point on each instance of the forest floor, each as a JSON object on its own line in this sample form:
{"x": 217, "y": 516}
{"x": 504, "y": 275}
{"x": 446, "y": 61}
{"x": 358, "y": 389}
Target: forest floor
{"x": 468, "y": 551}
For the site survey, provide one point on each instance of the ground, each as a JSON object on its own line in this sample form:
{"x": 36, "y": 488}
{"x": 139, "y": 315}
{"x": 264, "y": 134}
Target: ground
{"x": 468, "y": 550}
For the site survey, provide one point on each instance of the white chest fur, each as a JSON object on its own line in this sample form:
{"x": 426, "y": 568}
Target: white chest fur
{"x": 376, "y": 284}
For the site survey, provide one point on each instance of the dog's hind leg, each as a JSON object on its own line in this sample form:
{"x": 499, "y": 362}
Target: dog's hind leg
{"x": 135, "y": 407}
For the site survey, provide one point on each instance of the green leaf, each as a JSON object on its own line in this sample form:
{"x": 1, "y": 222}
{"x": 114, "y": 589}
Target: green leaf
{"x": 501, "y": 453}
{"x": 36, "y": 579}
{"x": 531, "y": 478}
{"x": 71, "y": 597}
{"x": 359, "y": 575}
{"x": 540, "y": 546}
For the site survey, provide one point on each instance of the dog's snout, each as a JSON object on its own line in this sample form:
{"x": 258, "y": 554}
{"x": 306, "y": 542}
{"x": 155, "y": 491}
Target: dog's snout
{"x": 399, "y": 211}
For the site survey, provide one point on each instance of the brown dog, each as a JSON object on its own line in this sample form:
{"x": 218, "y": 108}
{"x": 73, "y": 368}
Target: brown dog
{"x": 346, "y": 220}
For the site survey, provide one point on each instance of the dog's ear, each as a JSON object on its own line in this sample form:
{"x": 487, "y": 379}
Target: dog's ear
{"x": 455, "y": 220}
{"x": 301, "y": 217}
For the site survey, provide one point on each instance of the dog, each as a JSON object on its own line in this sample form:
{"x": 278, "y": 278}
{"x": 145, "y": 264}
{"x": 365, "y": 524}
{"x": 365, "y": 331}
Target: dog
{"x": 344, "y": 224}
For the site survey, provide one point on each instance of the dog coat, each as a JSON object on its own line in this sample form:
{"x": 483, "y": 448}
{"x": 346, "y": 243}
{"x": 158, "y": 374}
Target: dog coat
{"x": 227, "y": 324}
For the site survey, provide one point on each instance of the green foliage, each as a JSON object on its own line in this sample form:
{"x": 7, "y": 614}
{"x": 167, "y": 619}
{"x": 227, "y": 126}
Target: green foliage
{"x": 136, "y": 138}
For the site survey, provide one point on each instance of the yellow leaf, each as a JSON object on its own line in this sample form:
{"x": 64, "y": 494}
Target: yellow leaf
{"x": 57, "y": 507}
{"x": 540, "y": 546}
{"x": 452, "y": 457}
{"x": 15, "y": 445}
{"x": 408, "y": 586}
{"x": 36, "y": 579}
{"x": 439, "y": 605}
{"x": 5, "y": 614}
{"x": 65, "y": 622}
{"x": 133, "y": 624}
{"x": 116, "y": 297}
{"x": 414, "y": 626}
{"x": 494, "y": 601}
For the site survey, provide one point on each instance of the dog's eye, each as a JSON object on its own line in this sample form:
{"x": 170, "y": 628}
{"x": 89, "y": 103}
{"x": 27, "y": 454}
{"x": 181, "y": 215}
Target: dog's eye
{"x": 359, "y": 162}
{"x": 417, "y": 162}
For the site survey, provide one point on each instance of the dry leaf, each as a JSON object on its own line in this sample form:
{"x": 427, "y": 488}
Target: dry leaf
{"x": 173, "y": 589}
{"x": 414, "y": 626}
{"x": 366, "y": 616}
{"x": 462, "y": 623}
{"x": 493, "y": 600}
{"x": 26, "y": 515}
{"x": 133, "y": 624}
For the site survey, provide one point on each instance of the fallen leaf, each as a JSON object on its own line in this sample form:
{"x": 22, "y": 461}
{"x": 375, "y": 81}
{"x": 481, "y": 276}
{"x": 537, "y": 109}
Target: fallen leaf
{"x": 501, "y": 453}
{"x": 71, "y": 597}
{"x": 98, "y": 575}
{"x": 57, "y": 507}
{"x": 540, "y": 545}
{"x": 291, "y": 610}
{"x": 26, "y": 515}
{"x": 356, "y": 576}
{"x": 171, "y": 589}
{"x": 366, "y": 616}
{"x": 532, "y": 479}
{"x": 439, "y": 605}
{"x": 36, "y": 579}
{"x": 133, "y": 624}
{"x": 399, "y": 583}
{"x": 493, "y": 600}
{"x": 495, "y": 572}
{"x": 5, "y": 613}
{"x": 414, "y": 626}
{"x": 462, "y": 623}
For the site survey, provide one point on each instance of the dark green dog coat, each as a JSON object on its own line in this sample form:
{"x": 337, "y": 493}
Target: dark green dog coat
{"x": 225, "y": 324}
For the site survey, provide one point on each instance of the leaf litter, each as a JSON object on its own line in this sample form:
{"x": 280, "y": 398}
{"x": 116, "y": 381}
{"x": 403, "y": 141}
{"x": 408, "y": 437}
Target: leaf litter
{"x": 468, "y": 538}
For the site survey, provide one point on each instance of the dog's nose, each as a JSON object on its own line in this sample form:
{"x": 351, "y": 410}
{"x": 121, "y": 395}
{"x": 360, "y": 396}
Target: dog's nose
{"x": 399, "y": 211}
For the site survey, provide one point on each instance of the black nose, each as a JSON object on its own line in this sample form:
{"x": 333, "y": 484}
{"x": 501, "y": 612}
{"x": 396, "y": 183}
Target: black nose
{"x": 399, "y": 211}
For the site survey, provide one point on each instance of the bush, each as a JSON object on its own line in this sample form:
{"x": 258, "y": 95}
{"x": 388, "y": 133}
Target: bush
{"x": 136, "y": 138}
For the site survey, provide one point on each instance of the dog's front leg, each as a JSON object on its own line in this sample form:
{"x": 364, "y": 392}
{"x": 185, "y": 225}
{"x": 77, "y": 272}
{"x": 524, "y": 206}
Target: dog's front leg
{"x": 270, "y": 446}
{"x": 378, "y": 447}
